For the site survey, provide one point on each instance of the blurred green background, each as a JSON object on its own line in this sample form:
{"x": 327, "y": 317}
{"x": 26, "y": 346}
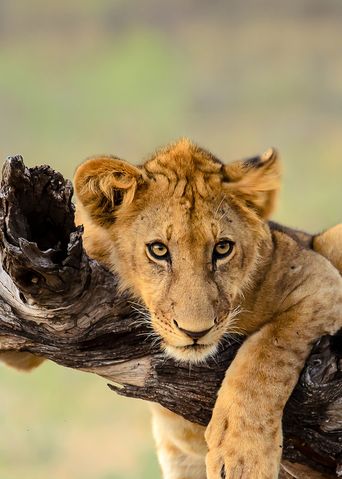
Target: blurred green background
{"x": 124, "y": 77}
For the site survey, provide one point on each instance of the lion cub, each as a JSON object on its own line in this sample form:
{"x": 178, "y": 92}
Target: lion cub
{"x": 189, "y": 237}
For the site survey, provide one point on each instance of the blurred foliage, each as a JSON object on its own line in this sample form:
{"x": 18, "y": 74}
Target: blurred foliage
{"x": 61, "y": 424}
{"x": 85, "y": 77}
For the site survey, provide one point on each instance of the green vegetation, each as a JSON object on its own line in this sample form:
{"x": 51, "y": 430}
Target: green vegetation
{"x": 78, "y": 78}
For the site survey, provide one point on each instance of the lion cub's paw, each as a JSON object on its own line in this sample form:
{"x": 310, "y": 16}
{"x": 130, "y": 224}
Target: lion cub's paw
{"x": 239, "y": 451}
{"x": 224, "y": 463}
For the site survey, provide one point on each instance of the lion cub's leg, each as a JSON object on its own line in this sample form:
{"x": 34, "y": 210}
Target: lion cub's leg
{"x": 181, "y": 447}
{"x": 21, "y": 361}
{"x": 244, "y": 435}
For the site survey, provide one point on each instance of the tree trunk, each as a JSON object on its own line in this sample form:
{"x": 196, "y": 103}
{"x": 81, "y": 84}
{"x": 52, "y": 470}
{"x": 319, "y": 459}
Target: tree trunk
{"x": 57, "y": 303}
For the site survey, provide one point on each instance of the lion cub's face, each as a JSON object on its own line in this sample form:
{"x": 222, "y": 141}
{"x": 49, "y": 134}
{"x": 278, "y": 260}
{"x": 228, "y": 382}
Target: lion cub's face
{"x": 187, "y": 257}
{"x": 185, "y": 236}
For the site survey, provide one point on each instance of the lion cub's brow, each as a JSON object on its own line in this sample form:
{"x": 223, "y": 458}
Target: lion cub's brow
{"x": 210, "y": 233}
{"x": 197, "y": 220}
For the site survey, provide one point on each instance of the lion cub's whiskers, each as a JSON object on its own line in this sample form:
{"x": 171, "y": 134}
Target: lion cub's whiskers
{"x": 144, "y": 319}
{"x": 233, "y": 327}
{"x": 143, "y": 314}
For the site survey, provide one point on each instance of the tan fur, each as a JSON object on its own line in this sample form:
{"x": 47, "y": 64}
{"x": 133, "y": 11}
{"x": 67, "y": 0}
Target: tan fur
{"x": 271, "y": 287}
{"x": 329, "y": 244}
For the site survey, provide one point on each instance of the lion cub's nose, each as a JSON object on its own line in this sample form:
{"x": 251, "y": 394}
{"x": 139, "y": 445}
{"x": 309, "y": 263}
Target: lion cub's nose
{"x": 195, "y": 335}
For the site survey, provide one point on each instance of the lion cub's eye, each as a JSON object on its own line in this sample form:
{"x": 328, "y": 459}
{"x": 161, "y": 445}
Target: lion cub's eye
{"x": 223, "y": 249}
{"x": 158, "y": 250}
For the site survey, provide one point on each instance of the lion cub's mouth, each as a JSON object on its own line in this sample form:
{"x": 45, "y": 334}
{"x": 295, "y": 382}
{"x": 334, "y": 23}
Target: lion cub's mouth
{"x": 193, "y": 353}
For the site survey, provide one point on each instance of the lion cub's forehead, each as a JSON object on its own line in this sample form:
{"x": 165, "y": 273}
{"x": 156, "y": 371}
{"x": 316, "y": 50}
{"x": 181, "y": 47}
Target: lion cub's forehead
{"x": 183, "y": 196}
{"x": 188, "y": 217}
{"x": 185, "y": 172}
{"x": 180, "y": 223}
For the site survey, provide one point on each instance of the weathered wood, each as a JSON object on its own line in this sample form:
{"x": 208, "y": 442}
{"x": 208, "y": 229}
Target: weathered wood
{"x": 57, "y": 303}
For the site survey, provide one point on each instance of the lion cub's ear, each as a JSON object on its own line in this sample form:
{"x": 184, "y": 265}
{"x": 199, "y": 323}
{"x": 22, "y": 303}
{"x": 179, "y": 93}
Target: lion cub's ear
{"x": 105, "y": 184}
{"x": 256, "y": 180}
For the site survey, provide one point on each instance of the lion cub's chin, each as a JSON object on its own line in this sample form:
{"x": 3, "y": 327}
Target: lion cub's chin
{"x": 191, "y": 354}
